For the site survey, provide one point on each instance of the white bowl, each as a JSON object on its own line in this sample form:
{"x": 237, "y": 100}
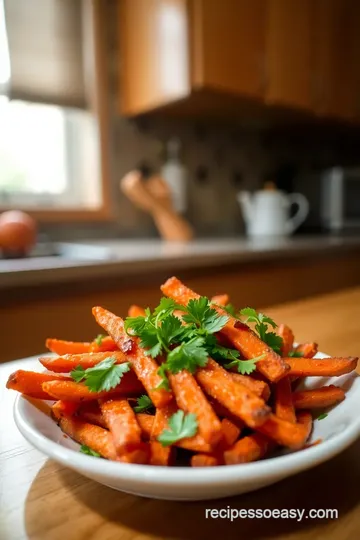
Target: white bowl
{"x": 338, "y": 431}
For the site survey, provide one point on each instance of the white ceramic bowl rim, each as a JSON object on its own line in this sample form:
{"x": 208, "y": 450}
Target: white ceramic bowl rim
{"x": 292, "y": 462}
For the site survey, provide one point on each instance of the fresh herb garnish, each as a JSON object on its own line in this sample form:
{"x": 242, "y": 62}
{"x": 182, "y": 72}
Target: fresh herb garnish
{"x": 245, "y": 367}
{"x": 295, "y": 354}
{"x": 143, "y": 403}
{"x": 262, "y": 322}
{"x": 322, "y": 416}
{"x": 99, "y": 338}
{"x": 88, "y": 451}
{"x": 181, "y": 426}
{"x": 102, "y": 377}
{"x": 231, "y": 310}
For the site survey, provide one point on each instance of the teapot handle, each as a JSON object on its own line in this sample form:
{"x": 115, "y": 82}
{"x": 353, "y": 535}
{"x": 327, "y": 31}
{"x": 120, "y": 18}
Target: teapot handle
{"x": 303, "y": 209}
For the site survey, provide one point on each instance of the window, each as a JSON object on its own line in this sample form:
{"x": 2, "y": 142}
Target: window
{"x": 49, "y": 155}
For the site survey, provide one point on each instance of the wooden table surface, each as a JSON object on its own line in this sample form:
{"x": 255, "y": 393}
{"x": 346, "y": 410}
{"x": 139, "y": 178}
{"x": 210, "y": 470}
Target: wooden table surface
{"x": 41, "y": 500}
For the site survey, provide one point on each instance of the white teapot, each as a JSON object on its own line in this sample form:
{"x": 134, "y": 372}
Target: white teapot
{"x": 266, "y": 212}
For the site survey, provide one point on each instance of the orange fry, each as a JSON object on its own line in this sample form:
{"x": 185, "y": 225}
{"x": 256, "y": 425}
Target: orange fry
{"x": 90, "y": 412}
{"x": 161, "y": 455}
{"x": 288, "y": 339}
{"x": 220, "y": 299}
{"x": 230, "y": 432}
{"x": 318, "y": 398}
{"x": 136, "y": 311}
{"x": 322, "y": 367}
{"x": 122, "y": 423}
{"x": 204, "y": 460}
{"x": 68, "y": 390}
{"x": 30, "y": 383}
{"x": 286, "y": 433}
{"x": 260, "y": 388}
{"x": 284, "y": 407}
{"x": 250, "y": 448}
{"x": 68, "y": 362}
{"x": 239, "y": 334}
{"x": 191, "y": 399}
{"x": 63, "y": 408}
{"x": 106, "y": 344}
{"x": 60, "y": 346}
{"x": 236, "y": 397}
{"x": 144, "y": 366}
{"x": 146, "y": 423}
{"x": 308, "y": 350}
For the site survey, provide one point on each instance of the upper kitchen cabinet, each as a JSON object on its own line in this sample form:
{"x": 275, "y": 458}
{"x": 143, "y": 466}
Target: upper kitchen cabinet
{"x": 288, "y": 53}
{"x": 171, "y": 49}
{"x": 336, "y": 53}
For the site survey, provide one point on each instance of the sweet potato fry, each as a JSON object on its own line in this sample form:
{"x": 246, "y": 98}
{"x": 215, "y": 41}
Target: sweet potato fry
{"x": 204, "y": 460}
{"x": 321, "y": 367}
{"x": 68, "y": 362}
{"x": 161, "y": 455}
{"x": 63, "y": 408}
{"x": 236, "y": 397}
{"x": 287, "y": 336}
{"x": 90, "y": 412}
{"x": 318, "y": 398}
{"x": 195, "y": 444}
{"x": 107, "y": 344}
{"x": 191, "y": 399}
{"x": 146, "y": 422}
{"x": 260, "y": 388}
{"x": 68, "y": 390}
{"x": 292, "y": 435}
{"x": 247, "y": 449}
{"x": 30, "y": 383}
{"x": 230, "y": 432}
{"x": 220, "y": 299}
{"x": 122, "y": 423}
{"x": 60, "y": 346}
{"x": 308, "y": 350}
{"x": 284, "y": 407}
{"x": 136, "y": 311}
{"x": 98, "y": 439}
{"x": 223, "y": 412}
{"x": 144, "y": 366}
{"x": 239, "y": 334}
{"x": 140, "y": 455}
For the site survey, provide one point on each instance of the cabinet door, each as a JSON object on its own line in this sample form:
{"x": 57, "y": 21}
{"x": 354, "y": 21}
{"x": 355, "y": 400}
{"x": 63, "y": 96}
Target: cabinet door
{"x": 288, "y": 53}
{"x": 336, "y": 45}
{"x": 227, "y": 44}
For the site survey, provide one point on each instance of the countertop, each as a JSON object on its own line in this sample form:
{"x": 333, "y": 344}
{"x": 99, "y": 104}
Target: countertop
{"x": 122, "y": 258}
{"x": 42, "y": 500}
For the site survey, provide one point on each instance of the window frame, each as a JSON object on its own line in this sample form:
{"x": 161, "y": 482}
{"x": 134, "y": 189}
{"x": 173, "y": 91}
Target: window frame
{"x": 97, "y": 89}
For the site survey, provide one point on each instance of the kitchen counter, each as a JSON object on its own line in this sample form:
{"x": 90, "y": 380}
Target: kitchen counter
{"x": 44, "y": 500}
{"x": 93, "y": 260}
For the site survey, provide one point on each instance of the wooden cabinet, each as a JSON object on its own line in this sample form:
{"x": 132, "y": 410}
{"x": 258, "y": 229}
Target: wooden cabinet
{"x": 231, "y": 56}
{"x": 288, "y": 53}
{"x": 336, "y": 50}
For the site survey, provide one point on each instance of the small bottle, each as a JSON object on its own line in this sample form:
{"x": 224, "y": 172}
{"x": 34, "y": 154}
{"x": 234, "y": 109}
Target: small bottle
{"x": 174, "y": 173}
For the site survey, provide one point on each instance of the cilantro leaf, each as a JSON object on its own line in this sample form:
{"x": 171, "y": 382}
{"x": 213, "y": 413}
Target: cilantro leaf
{"x": 230, "y": 309}
{"x": 199, "y": 313}
{"x": 274, "y": 341}
{"x": 245, "y": 367}
{"x": 322, "y": 416}
{"x": 218, "y": 352}
{"x": 144, "y": 403}
{"x": 78, "y": 374}
{"x": 99, "y": 338}
{"x": 135, "y": 324}
{"x": 149, "y": 340}
{"x": 295, "y": 354}
{"x": 189, "y": 356}
{"x": 166, "y": 307}
{"x": 102, "y": 377}
{"x": 181, "y": 426}
{"x": 165, "y": 381}
{"x": 88, "y": 451}
{"x": 214, "y": 322}
{"x": 171, "y": 330}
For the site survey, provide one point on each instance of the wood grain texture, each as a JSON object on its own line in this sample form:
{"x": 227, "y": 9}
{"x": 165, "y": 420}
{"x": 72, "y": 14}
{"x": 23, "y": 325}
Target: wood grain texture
{"x": 288, "y": 53}
{"x": 228, "y": 45}
{"x": 41, "y": 500}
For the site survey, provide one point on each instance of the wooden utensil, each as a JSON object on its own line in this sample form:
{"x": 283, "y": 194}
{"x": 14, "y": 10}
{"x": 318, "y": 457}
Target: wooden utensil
{"x": 154, "y": 197}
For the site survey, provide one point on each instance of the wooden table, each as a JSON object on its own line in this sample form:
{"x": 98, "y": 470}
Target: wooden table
{"x": 41, "y": 500}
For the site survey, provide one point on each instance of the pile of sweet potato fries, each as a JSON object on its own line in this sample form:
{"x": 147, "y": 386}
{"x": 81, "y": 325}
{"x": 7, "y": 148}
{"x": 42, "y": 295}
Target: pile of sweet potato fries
{"x": 150, "y": 392}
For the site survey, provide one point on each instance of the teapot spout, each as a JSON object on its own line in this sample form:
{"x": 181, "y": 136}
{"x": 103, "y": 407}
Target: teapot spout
{"x": 246, "y": 205}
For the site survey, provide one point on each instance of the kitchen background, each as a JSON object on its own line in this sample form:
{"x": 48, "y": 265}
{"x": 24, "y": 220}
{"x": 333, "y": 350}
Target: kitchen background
{"x": 229, "y": 96}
